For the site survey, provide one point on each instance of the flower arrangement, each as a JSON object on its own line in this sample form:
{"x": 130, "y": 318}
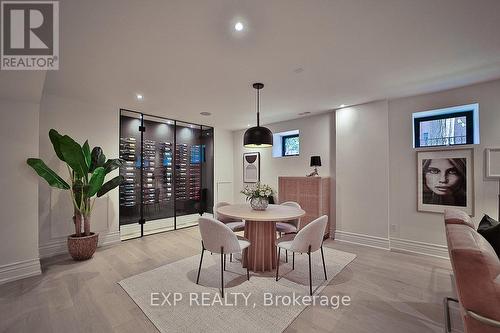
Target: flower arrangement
{"x": 257, "y": 191}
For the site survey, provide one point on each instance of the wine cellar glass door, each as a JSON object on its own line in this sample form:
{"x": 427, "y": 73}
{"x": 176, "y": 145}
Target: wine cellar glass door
{"x": 130, "y": 189}
{"x": 188, "y": 164}
{"x": 157, "y": 174}
{"x": 169, "y": 174}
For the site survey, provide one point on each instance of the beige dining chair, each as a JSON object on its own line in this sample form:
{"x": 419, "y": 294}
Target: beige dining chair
{"x": 236, "y": 225}
{"x": 308, "y": 240}
{"x": 217, "y": 237}
{"x": 233, "y": 224}
{"x": 288, "y": 227}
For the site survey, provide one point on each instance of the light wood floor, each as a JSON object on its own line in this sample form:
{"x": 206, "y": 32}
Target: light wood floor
{"x": 390, "y": 292}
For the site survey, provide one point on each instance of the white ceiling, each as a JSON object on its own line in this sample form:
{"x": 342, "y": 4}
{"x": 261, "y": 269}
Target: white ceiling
{"x": 185, "y": 58}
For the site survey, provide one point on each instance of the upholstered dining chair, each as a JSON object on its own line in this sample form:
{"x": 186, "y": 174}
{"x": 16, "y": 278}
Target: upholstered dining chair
{"x": 288, "y": 227}
{"x": 292, "y": 226}
{"x": 308, "y": 240}
{"x": 235, "y": 225}
{"x": 217, "y": 237}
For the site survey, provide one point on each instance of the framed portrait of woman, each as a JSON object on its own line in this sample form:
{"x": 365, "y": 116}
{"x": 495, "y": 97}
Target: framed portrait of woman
{"x": 445, "y": 180}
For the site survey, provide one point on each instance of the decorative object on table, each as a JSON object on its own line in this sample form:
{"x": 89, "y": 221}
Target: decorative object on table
{"x": 315, "y": 162}
{"x": 251, "y": 167}
{"x": 258, "y": 195}
{"x": 492, "y": 157}
{"x": 258, "y": 136}
{"x": 445, "y": 180}
{"x": 87, "y": 172}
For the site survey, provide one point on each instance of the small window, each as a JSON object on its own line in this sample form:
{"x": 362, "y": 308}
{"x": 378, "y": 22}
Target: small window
{"x": 446, "y": 127}
{"x": 286, "y": 143}
{"x": 290, "y": 145}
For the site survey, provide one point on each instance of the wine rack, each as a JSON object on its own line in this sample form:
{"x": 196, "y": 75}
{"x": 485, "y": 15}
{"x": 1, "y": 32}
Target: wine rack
{"x": 128, "y": 190}
{"x": 166, "y": 171}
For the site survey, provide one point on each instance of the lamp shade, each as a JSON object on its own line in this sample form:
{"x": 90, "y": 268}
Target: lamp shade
{"x": 315, "y": 161}
{"x": 258, "y": 137}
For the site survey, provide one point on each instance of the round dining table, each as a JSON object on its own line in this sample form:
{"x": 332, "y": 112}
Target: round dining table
{"x": 260, "y": 230}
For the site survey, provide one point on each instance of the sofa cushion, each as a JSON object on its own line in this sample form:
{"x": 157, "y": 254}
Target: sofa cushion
{"x": 490, "y": 229}
{"x": 456, "y": 216}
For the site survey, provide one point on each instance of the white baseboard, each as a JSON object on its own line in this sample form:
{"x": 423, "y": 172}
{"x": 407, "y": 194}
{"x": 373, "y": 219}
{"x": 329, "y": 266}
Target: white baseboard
{"x": 361, "y": 239}
{"x": 59, "y": 245}
{"x": 393, "y": 244}
{"x": 409, "y": 246}
{"x": 19, "y": 270}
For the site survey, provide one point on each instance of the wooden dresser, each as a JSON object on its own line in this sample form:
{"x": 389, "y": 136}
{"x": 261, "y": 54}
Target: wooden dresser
{"x": 311, "y": 193}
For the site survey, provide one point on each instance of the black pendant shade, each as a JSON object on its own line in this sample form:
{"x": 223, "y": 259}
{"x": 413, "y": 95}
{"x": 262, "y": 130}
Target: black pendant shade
{"x": 258, "y": 136}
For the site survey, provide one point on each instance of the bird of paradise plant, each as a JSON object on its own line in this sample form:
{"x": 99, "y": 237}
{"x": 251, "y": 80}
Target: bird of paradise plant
{"x": 87, "y": 171}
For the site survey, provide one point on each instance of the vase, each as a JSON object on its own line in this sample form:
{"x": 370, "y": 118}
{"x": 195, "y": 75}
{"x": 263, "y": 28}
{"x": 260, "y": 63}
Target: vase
{"x": 83, "y": 247}
{"x": 259, "y": 203}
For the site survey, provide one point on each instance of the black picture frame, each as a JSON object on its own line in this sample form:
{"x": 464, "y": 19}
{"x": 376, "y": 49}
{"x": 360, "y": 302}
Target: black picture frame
{"x": 469, "y": 123}
{"x": 248, "y": 161}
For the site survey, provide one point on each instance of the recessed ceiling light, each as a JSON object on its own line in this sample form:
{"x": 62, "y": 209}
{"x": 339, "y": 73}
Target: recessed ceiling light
{"x": 139, "y": 97}
{"x": 204, "y": 113}
{"x": 248, "y": 125}
{"x": 342, "y": 106}
{"x": 238, "y": 26}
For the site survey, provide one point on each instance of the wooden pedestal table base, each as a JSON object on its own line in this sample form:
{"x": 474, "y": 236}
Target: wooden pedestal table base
{"x": 262, "y": 250}
{"x": 260, "y": 230}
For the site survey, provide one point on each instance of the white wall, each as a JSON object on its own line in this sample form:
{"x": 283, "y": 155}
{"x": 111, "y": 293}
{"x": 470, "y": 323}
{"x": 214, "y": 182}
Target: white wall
{"x": 314, "y": 135}
{"x": 19, "y": 184}
{"x": 374, "y": 148}
{"x": 100, "y": 125}
{"x": 362, "y": 171}
{"x": 428, "y": 227}
{"x": 223, "y": 164}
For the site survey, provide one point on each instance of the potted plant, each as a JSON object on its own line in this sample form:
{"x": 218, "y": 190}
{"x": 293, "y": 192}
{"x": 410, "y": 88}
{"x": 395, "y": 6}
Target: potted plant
{"x": 87, "y": 171}
{"x": 258, "y": 195}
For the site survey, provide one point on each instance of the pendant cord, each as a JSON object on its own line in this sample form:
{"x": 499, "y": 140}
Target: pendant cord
{"x": 258, "y": 108}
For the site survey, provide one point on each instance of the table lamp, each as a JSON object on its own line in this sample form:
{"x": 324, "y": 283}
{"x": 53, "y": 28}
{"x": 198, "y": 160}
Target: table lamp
{"x": 315, "y": 162}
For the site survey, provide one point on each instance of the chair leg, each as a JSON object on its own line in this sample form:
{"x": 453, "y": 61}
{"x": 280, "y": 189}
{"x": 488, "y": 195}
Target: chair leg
{"x": 277, "y": 264}
{"x": 310, "y": 272}
{"x": 201, "y": 260}
{"x": 323, "y": 258}
{"x": 286, "y": 256}
{"x": 231, "y": 257}
{"x": 248, "y": 273}
{"x": 293, "y": 261}
{"x": 222, "y": 261}
{"x": 447, "y": 320}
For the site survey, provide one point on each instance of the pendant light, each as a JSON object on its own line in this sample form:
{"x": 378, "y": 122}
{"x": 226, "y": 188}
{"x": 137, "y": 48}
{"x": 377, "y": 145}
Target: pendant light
{"x": 258, "y": 136}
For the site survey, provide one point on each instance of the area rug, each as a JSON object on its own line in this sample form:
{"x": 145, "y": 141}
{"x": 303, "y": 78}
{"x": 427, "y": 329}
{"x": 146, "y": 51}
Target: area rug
{"x": 171, "y": 299}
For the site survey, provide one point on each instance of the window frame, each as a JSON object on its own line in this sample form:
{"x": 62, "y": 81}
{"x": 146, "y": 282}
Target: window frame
{"x": 283, "y": 141}
{"x": 469, "y": 122}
